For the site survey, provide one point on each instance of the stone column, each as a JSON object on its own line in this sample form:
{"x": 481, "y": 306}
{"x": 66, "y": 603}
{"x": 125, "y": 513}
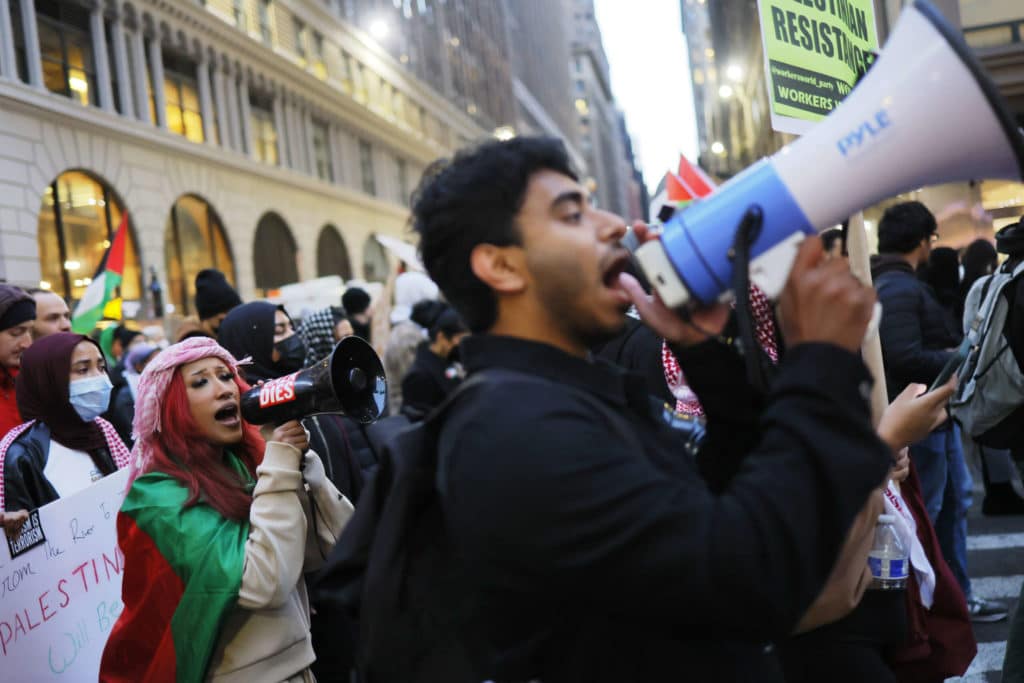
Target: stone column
{"x": 337, "y": 160}
{"x": 231, "y": 91}
{"x": 124, "y": 76}
{"x": 307, "y": 129}
{"x": 31, "y": 33}
{"x": 100, "y": 58}
{"x": 139, "y": 77}
{"x": 279, "y": 128}
{"x": 205, "y": 99}
{"x": 156, "y": 63}
{"x": 245, "y": 111}
{"x": 8, "y": 62}
{"x": 222, "y": 107}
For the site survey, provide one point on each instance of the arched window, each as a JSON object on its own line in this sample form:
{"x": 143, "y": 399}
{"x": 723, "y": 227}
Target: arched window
{"x": 375, "y": 261}
{"x": 194, "y": 239}
{"x": 274, "y": 254}
{"x": 77, "y": 221}
{"x": 332, "y": 254}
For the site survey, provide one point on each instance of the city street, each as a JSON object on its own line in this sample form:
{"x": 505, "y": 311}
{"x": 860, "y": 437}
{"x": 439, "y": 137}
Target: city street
{"x": 995, "y": 557}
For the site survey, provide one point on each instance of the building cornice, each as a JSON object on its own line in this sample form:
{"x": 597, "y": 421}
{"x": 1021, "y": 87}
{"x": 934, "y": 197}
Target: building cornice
{"x": 60, "y": 111}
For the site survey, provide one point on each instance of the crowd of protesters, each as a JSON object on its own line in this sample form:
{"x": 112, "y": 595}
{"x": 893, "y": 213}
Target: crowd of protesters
{"x": 619, "y": 501}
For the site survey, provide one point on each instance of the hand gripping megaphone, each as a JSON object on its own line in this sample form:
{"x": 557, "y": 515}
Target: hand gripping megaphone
{"x": 350, "y": 381}
{"x": 924, "y": 114}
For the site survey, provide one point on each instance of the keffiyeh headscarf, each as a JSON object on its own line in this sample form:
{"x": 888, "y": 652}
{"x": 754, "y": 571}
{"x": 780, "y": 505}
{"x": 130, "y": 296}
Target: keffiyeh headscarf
{"x": 153, "y": 385}
{"x": 687, "y": 402}
{"x": 317, "y": 330}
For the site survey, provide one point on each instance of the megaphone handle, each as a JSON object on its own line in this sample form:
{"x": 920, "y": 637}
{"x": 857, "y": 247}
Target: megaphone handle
{"x": 747, "y": 232}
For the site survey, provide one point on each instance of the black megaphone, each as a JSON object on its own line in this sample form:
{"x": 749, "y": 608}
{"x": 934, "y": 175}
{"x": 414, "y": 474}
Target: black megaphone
{"x": 350, "y": 381}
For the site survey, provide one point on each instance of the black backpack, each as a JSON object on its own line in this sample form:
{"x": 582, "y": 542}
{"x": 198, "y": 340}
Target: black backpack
{"x": 393, "y": 570}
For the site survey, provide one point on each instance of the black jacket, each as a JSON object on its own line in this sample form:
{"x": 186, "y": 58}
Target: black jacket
{"x": 121, "y": 413}
{"x": 428, "y": 382}
{"x": 638, "y": 349}
{"x": 917, "y": 334}
{"x": 25, "y": 485}
{"x": 595, "y": 551}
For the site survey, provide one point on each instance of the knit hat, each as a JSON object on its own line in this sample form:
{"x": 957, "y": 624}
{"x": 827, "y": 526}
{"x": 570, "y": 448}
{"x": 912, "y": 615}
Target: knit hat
{"x": 153, "y": 385}
{"x": 355, "y": 300}
{"x": 214, "y": 294}
{"x": 16, "y": 307}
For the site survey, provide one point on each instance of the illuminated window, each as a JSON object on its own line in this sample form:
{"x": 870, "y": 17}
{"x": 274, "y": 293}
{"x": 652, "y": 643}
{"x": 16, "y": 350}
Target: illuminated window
{"x": 194, "y": 239}
{"x": 582, "y": 108}
{"x": 65, "y": 45}
{"x": 184, "y": 115}
{"x": 77, "y": 221}
{"x": 265, "y": 8}
{"x": 317, "y": 61}
{"x": 264, "y": 132}
{"x": 299, "y": 34}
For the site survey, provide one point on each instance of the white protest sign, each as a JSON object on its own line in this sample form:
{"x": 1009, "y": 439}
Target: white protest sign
{"x": 59, "y": 597}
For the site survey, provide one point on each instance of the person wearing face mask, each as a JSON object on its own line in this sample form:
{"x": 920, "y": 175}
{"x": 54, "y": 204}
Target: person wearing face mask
{"x": 263, "y": 333}
{"x": 435, "y": 371}
{"x": 218, "y": 528}
{"x": 65, "y": 445}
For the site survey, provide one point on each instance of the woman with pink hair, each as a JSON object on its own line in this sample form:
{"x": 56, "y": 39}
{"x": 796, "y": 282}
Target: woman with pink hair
{"x": 217, "y": 530}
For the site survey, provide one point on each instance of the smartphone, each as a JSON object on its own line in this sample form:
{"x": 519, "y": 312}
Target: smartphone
{"x": 952, "y": 365}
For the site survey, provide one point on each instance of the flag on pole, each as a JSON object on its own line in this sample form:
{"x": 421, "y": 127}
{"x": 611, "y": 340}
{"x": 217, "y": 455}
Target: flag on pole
{"x": 99, "y": 295}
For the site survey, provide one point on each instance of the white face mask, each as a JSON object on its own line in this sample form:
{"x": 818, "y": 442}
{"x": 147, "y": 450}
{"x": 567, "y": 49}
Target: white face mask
{"x": 90, "y": 397}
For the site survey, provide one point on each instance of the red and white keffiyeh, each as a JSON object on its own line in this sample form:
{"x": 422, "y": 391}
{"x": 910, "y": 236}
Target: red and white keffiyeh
{"x": 687, "y": 402}
{"x": 117, "y": 448}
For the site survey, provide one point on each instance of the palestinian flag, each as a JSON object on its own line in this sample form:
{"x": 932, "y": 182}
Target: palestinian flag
{"x": 99, "y": 296}
{"x": 182, "y": 573}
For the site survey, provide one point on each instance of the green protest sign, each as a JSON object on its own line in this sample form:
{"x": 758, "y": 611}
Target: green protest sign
{"x": 814, "y": 52}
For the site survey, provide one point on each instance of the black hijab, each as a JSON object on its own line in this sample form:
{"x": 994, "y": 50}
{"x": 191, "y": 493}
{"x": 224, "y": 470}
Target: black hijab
{"x": 248, "y": 331}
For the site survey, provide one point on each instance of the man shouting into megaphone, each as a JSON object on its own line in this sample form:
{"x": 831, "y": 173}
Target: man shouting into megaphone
{"x": 592, "y": 548}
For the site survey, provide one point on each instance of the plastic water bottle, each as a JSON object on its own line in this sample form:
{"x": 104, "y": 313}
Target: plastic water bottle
{"x": 888, "y": 558}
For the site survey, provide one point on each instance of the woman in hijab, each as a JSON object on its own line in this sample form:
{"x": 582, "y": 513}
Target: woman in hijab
{"x": 262, "y": 333}
{"x": 218, "y": 529}
{"x": 64, "y": 446}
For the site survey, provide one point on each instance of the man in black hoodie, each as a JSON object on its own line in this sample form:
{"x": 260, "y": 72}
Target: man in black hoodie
{"x": 592, "y": 549}
{"x": 918, "y": 338}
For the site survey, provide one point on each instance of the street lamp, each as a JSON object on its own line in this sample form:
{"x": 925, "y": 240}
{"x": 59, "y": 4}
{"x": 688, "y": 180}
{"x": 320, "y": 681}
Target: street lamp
{"x": 725, "y": 91}
{"x": 379, "y": 29}
{"x": 717, "y": 148}
{"x": 504, "y": 132}
{"x": 734, "y": 73}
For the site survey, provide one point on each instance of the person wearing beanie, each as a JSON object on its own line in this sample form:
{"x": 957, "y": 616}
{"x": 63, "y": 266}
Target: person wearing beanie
{"x": 356, "y": 303}
{"x": 214, "y": 298}
{"x": 17, "y": 315}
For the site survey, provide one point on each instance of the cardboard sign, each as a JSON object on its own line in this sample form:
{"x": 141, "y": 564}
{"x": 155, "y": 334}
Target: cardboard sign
{"x": 814, "y": 53}
{"x": 60, "y": 598}
{"x": 276, "y": 391}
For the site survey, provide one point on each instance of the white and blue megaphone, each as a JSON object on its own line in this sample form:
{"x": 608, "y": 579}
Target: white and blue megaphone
{"x": 924, "y": 114}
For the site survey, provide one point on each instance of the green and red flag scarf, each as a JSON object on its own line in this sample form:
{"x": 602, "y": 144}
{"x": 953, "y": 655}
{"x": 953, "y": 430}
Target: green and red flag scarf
{"x": 100, "y": 292}
{"x": 182, "y": 573}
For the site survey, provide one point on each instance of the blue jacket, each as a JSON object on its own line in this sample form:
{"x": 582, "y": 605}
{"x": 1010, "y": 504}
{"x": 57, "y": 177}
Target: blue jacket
{"x": 917, "y": 334}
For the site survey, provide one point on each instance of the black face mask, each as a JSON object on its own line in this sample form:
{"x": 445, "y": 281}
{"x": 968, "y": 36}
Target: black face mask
{"x": 293, "y": 354}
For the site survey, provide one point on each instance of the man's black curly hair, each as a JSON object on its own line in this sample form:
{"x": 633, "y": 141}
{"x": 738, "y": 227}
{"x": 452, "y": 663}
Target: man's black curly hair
{"x": 473, "y": 199}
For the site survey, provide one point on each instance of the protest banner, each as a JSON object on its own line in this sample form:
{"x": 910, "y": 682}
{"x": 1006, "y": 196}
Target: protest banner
{"x": 60, "y": 587}
{"x": 814, "y": 53}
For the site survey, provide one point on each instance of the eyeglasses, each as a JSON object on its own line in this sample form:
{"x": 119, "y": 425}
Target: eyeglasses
{"x": 933, "y": 238}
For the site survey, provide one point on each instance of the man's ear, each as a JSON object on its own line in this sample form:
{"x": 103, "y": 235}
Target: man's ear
{"x": 503, "y": 269}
